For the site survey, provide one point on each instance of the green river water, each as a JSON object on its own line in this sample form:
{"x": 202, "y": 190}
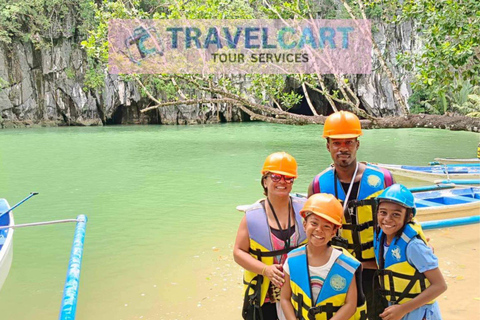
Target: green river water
{"x": 161, "y": 207}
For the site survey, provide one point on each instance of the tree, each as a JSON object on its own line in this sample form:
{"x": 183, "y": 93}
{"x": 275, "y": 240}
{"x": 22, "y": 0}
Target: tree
{"x": 265, "y": 99}
{"x": 446, "y": 68}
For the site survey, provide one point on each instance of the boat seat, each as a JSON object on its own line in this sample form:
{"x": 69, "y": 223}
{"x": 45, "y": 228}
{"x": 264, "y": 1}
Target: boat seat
{"x": 459, "y": 200}
{"x": 420, "y": 203}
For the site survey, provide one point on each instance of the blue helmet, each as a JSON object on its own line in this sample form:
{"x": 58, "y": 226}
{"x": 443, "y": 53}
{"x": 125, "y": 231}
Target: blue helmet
{"x": 399, "y": 194}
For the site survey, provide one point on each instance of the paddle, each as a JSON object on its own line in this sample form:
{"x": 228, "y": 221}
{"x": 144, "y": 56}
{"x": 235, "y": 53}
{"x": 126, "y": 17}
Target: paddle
{"x": 29, "y": 196}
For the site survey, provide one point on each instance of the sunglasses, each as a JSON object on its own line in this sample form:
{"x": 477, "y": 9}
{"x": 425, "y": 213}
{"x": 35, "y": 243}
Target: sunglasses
{"x": 277, "y": 177}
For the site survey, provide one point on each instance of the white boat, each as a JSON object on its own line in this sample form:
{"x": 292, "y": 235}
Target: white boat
{"x": 456, "y": 160}
{"x": 6, "y": 241}
{"x": 437, "y": 172}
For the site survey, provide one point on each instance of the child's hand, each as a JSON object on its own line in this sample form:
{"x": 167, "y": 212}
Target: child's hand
{"x": 394, "y": 312}
{"x": 275, "y": 274}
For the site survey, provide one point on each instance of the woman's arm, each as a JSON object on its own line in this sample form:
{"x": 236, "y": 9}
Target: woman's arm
{"x": 242, "y": 256}
{"x": 436, "y": 288}
{"x": 350, "y": 306}
{"x": 285, "y": 300}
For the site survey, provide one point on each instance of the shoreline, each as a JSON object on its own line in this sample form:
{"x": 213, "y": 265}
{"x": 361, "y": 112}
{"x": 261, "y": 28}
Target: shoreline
{"x": 411, "y": 121}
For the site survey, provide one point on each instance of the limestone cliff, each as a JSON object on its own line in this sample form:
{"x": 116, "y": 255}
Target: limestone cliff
{"x": 46, "y": 85}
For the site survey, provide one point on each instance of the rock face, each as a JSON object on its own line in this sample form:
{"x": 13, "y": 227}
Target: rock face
{"x": 46, "y": 86}
{"x": 375, "y": 90}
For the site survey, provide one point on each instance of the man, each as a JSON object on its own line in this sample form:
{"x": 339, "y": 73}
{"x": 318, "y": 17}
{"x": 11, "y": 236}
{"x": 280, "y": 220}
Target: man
{"x": 359, "y": 183}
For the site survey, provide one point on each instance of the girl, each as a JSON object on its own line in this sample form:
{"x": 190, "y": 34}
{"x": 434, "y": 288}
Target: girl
{"x": 320, "y": 280}
{"x": 408, "y": 270}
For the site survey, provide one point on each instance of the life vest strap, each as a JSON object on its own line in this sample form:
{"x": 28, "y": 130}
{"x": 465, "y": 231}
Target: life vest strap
{"x": 363, "y": 315}
{"x": 259, "y": 253}
{"x": 397, "y": 296}
{"x": 299, "y": 300}
{"x": 328, "y": 308}
{"x": 360, "y": 203}
{"x": 358, "y": 227}
{"x": 251, "y": 302}
{"x": 343, "y": 243}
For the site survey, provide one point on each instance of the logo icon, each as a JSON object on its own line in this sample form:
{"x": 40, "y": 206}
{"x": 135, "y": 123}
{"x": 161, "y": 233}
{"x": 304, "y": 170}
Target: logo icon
{"x": 396, "y": 254}
{"x": 373, "y": 180}
{"x": 143, "y": 43}
{"x": 338, "y": 282}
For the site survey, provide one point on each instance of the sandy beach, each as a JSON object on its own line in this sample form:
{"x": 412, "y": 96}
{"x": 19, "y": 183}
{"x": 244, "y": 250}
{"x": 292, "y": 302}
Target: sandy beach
{"x": 218, "y": 290}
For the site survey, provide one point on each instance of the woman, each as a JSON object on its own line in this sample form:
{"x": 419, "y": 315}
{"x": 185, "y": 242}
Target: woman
{"x": 269, "y": 230}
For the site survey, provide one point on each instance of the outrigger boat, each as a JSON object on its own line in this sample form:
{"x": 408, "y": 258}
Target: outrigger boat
{"x": 6, "y": 241}
{"x": 70, "y": 289}
{"x": 455, "y": 161}
{"x": 432, "y": 173}
{"x": 447, "y": 204}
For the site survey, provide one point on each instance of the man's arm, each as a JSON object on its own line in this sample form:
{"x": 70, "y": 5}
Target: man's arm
{"x": 310, "y": 189}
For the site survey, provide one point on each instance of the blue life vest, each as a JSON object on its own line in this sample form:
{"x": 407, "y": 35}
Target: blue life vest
{"x": 334, "y": 290}
{"x": 358, "y": 220}
{"x": 399, "y": 280}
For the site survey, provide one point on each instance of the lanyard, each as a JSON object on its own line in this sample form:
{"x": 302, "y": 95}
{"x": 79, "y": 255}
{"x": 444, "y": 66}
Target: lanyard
{"x": 347, "y": 196}
{"x": 287, "y": 238}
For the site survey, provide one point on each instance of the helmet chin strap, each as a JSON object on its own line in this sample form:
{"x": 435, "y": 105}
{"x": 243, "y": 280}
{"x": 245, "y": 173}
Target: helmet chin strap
{"x": 350, "y": 188}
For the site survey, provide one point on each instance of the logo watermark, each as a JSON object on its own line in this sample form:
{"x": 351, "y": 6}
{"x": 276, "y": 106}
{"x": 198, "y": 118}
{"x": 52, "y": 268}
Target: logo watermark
{"x": 240, "y": 46}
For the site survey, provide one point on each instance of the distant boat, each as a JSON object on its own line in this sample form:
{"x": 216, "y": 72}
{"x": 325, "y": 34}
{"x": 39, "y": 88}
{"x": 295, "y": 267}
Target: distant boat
{"x": 447, "y": 204}
{"x": 454, "y": 161}
{"x": 6, "y": 241}
{"x": 432, "y": 173}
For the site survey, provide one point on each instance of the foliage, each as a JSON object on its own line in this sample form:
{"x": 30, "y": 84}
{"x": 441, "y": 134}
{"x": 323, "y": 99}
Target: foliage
{"x": 449, "y": 33}
{"x": 466, "y": 99}
{"x": 37, "y": 20}
{"x": 268, "y": 90}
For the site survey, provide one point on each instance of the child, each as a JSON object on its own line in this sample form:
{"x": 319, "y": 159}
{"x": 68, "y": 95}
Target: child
{"x": 320, "y": 280}
{"x": 405, "y": 260}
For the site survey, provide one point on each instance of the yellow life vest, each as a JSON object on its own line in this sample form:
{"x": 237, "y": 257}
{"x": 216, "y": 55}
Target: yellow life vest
{"x": 261, "y": 248}
{"x": 334, "y": 290}
{"x": 399, "y": 280}
{"x": 358, "y": 220}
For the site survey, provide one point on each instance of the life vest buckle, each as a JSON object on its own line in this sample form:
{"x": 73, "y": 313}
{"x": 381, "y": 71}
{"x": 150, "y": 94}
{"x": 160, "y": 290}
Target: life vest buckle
{"x": 339, "y": 242}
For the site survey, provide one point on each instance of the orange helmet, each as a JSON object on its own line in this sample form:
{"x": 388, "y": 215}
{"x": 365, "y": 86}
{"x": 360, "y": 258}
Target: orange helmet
{"x": 281, "y": 163}
{"x": 342, "y": 125}
{"x": 324, "y": 205}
